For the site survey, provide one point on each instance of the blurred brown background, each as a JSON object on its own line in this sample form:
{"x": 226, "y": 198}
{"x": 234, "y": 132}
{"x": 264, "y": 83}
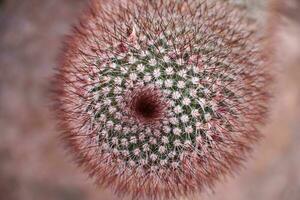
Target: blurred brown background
{"x": 35, "y": 166}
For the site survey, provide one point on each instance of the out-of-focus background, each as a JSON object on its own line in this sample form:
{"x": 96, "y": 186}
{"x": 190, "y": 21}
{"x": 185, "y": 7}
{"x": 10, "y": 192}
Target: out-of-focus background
{"x": 35, "y": 166}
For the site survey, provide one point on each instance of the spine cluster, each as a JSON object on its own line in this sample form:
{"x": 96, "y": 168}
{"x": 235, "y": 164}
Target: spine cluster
{"x": 160, "y": 99}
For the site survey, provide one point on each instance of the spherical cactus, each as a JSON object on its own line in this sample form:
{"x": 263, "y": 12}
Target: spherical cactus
{"x": 161, "y": 99}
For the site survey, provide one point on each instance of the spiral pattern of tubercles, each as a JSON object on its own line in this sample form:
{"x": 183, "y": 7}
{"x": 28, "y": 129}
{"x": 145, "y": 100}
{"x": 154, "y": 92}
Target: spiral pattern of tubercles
{"x": 161, "y": 99}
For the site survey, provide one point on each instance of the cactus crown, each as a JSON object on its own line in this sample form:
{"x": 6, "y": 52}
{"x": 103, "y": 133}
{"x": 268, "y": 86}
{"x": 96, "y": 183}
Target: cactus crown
{"x": 161, "y": 98}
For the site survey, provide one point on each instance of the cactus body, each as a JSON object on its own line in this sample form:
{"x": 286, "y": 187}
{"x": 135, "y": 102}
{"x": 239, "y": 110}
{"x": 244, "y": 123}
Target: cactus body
{"x": 160, "y": 99}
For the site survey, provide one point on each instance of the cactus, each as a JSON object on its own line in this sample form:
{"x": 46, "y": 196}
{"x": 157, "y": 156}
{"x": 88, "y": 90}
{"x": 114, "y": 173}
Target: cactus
{"x": 161, "y": 99}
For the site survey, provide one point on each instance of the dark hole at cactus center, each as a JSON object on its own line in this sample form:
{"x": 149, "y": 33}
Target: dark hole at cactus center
{"x": 148, "y": 107}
